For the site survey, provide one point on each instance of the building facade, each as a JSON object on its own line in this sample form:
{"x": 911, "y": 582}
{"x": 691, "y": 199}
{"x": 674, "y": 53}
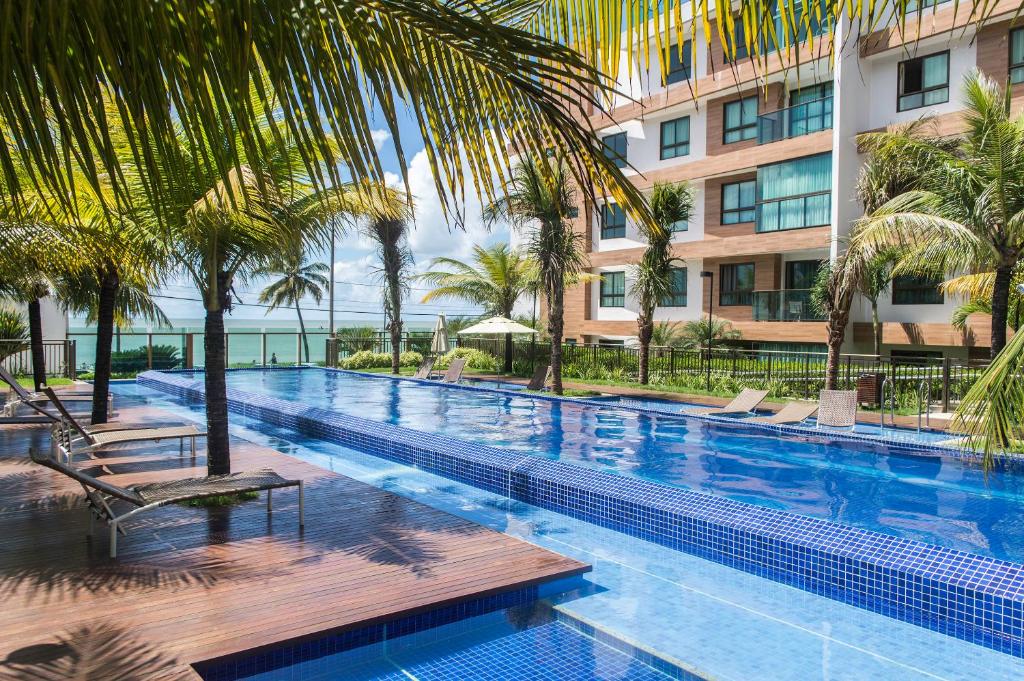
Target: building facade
{"x": 772, "y": 157}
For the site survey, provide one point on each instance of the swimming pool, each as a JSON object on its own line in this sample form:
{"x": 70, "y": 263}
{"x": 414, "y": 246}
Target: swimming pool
{"x": 716, "y": 622}
{"x": 932, "y": 499}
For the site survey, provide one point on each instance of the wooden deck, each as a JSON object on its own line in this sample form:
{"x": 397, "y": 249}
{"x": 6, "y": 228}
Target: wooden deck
{"x": 192, "y": 584}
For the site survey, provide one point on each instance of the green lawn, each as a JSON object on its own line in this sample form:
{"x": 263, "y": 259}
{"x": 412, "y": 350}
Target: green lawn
{"x": 53, "y": 381}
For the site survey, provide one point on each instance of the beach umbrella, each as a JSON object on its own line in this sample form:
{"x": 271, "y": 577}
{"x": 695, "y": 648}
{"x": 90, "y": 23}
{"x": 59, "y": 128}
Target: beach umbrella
{"x": 499, "y": 326}
{"x": 439, "y": 343}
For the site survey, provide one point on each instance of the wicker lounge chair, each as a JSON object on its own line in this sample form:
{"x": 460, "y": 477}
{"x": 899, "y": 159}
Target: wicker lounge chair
{"x": 65, "y": 440}
{"x": 793, "y": 412}
{"x": 837, "y": 409}
{"x": 100, "y": 495}
{"x": 426, "y": 366}
{"x": 455, "y": 369}
{"x": 541, "y": 378}
{"x": 24, "y": 397}
{"x": 744, "y": 403}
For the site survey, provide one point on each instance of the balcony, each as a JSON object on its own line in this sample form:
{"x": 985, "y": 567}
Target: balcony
{"x": 794, "y": 121}
{"x": 787, "y": 305}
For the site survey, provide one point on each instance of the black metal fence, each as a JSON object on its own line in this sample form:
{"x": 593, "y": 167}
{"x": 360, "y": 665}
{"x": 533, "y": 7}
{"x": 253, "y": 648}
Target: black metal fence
{"x": 58, "y": 357}
{"x": 784, "y": 374}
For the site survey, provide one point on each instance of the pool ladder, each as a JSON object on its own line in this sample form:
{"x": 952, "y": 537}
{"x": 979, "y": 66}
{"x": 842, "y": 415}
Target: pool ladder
{"x": 924, "y": 403}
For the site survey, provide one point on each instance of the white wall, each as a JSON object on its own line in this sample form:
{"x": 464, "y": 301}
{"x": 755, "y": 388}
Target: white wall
{"x": 633, "y": 239}
{"x": 883, "y": 77}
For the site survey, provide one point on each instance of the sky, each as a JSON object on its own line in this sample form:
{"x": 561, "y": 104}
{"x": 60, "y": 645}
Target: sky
{"x": 356, "y": 272}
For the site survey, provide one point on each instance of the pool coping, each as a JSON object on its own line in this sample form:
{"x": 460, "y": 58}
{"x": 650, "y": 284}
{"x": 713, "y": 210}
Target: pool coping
{"x": 972, "y": 597}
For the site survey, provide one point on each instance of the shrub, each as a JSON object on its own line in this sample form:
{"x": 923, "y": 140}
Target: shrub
{"x": 13, "y": 333}
{"x": 364, "y": 359}
{"x": 130, "y": 362}
{"x": 475, "y": 359}
{"x": 409, "y": 358}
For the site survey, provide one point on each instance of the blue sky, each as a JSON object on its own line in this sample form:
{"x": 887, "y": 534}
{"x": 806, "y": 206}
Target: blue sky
{"x": 357, "y": 289}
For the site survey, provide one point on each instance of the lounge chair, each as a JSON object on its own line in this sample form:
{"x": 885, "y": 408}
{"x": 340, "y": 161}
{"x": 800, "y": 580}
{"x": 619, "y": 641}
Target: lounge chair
{"x": 541, "y": 378}
{"x": 744, "y": 403}
{"x": 455, "y": 369}
{"x": 793, "y": 412}
{"x": 426, "y": 366}
{"x": 24, "y": 397}
{"x": 100, "y": 495}
{"x": 837, "y": 409}
{"x": 65, "y": 440}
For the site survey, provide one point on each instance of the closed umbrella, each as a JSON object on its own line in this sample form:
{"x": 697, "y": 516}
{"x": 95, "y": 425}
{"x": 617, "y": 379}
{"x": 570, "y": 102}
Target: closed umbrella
{"x": 439, "y": 343}
{"x": 499, "y": 326}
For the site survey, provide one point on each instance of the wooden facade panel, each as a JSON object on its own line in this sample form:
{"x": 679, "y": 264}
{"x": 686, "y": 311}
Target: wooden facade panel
{"x": 769, "y": 99}
{"x": 780, "y": 332}
{"x": 978, "y": 333}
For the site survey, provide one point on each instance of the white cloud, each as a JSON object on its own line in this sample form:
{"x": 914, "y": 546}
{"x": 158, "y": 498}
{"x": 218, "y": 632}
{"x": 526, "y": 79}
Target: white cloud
{"x": 379, "y": 137}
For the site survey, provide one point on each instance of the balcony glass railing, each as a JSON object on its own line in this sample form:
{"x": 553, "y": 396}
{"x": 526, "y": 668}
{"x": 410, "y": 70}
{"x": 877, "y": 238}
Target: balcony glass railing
{"x": 788, "y": 305}
{"x": 794, "y": 212}
{"x": 802, "y": 119}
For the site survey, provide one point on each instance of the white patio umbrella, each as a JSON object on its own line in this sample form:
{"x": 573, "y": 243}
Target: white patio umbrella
{"x": 499, "y": 326}
{"x": 439, "y": 343}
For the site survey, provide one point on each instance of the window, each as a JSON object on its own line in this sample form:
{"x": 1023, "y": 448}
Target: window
{"x": 573, "y": 212}
{"x": 613, "y": 221}
{"x": 800, "y": 274}
{"x": 916, "y": 290}
{"x": 679, "y": 226}
{"x": 738, "y": 201}
{"x": 739, "y": 42}
{"x": 677, "y": 279}
{"x": 678, "y": 67}
{"x": 615, "y": 148}
{"x": 613, "y": 289}
{"x": 810, "y": 109}
{"x": 1017, "y": 55}
{"x": 675, "y": 138}
{"x": 924, "y": 81}
{"x": 740, "y": 120}
{"x": 795, "y": 194}
{"x": 737, "y": 284}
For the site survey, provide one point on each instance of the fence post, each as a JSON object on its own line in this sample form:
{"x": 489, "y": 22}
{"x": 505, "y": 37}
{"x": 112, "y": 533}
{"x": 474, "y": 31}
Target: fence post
{"x": 227, "y": 345}
{"x": 149, "y": 351}
{"x": 946, "y": 361}
{"x": 671, "y": 362}
{"x": 189, "y": 350}
{"x": 72, "y": 359}
{"x": 298, "y": 349}
{"x": 807, "y": 377}
{"x": 770, "y": 367}
{"x": 263, "y": 347}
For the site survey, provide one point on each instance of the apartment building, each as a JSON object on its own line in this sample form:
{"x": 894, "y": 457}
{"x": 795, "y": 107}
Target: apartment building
{"x": 772, "y": 157}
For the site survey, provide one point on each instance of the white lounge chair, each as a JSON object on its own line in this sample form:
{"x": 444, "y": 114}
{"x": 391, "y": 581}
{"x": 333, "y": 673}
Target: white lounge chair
{"x": 101, "y": 495}
{"x": 454, "y": 372}
{"x": 65, "y": 440}
{"x": 793, "y": 412}
{"x": 541, "y": 378}
{"x": 744, "y": 403}
{"x": 837, "y": 409}
{"x": 425, "y": 367}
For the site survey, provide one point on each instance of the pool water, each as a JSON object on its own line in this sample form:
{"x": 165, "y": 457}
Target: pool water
{"x": 937, "y": 500}
{"x": 705, "y": 618}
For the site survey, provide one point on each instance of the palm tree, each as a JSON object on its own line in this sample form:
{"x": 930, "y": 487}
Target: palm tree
{"x": 496, "y": 279}
{"x": 358, "y": 337}
{"x": 670, "y": 203}
{"x": 390, "y": 232}
{"x": 667, "y": 335}
{"x": 704, "y": 333}
{"x": 297, "y": 279}
{"x": 539, "y": 201}
{"x": 874, "y": 282}
{"x": 965, "y": 211}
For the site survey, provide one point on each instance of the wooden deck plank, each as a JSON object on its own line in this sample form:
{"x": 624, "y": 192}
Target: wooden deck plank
{"x": 196, "y": 584}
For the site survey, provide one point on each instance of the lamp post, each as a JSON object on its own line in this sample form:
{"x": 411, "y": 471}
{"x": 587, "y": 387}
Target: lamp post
{"x": 710, "y": 276}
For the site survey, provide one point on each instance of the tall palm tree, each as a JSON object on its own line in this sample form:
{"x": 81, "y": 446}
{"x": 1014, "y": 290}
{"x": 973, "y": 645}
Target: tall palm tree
{"x": 496, "y": 279}
{"x": 297, "y": 278}
{"x": 965, "y": 211}
{"x": 540, "y": 201}
{"x": 389, "y": 230}
{"x": 670, "y": 203}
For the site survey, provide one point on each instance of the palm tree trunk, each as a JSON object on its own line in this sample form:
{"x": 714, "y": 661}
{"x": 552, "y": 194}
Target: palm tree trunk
{"x": 302, "y": 330}
{"x": 392, "y": 266}
{"x": 109, "y": 284}
{"x": 876, "y": 327}
{"x": 836, "y": 331}
{"x": 645, "y": 331}
{"x": 1000, "y": 306}
{"x": 218, "y": 452}
{"x": 555, "y": 328}
{"x": 508, "y": 353}
{"x": 35, "y": 333}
